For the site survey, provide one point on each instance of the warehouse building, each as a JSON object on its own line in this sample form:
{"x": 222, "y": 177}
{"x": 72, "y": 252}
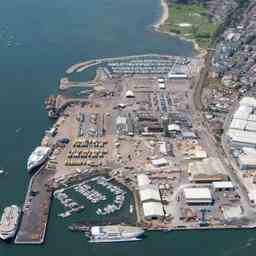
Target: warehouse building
{"x": 223, "y": 186}
{"x": 197, "y": 195}
{"x": 207, "y": 170}
{"x": 143, "y": 180}
{"x": 153, "y": 210}
{"x": 240, "y": 138}
{"x": 247, "y": 159}
{"x": 160, "y": 162}
{"x": 149, "y": 193}
{"x": 242, "y": 130}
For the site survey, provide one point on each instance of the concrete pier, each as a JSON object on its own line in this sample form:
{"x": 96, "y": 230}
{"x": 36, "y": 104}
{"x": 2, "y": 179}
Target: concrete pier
{"x": 35, "y": 210}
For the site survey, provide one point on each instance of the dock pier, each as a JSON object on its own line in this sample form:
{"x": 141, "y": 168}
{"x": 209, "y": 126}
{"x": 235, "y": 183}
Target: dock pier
{"x": 35, "y": 209}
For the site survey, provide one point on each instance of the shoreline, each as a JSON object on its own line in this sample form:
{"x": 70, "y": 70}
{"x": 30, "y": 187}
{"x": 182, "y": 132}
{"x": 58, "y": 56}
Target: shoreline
{"x": 161, "y": 22}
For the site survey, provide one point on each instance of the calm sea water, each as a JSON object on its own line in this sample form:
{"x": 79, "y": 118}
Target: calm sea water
{"x": 38, "y": 41}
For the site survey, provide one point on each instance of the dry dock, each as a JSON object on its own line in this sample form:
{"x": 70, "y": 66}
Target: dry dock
{"x": 35, "y": 210}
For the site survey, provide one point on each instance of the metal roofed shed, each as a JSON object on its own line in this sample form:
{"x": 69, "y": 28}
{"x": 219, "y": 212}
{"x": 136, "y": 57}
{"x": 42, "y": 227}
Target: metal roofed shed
{"x": 243, "y": 112}
{"x": 153, "y": 210}
{"x": 248, "y": 101}
{"x": 251, "y": 126}
{"x": 247, "y": 160}
{"x": 150, "y": 193}
{"x": 189, "y": 135}
{"x": 143, "y": 180}
{"x": 129, "y": 94}
{"x": 238, "y": 124}
{"x": 232, "y": 212}
{"x": 207, "y": 170}
{"x": 240, "y": 138}
{"x": 160, "y": 162}
{"x": 161, "y": 85}
{"x": 173, "y": 127}
{"x": 197, "y": 195}
{"x": 223, "y": 185}
{"x": 252, "y": 196}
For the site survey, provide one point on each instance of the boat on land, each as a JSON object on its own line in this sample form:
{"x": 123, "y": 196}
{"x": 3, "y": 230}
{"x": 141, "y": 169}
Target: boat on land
{"x": 114, "y": 233}
{"x": 38, "y": 157}
{"x": 9, "y": 222}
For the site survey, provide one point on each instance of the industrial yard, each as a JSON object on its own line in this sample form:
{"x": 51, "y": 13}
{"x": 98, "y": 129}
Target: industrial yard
{"x": 139, "y": 127}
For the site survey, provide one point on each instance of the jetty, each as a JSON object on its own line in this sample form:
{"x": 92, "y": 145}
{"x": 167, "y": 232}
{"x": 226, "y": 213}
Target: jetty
{"x": 35, "y": 209}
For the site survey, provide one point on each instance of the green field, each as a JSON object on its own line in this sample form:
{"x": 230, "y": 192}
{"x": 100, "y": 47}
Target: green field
{"x": 191, "y": 21}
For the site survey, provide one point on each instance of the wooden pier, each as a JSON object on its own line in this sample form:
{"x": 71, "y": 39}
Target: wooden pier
{"x": 35, "y": 209}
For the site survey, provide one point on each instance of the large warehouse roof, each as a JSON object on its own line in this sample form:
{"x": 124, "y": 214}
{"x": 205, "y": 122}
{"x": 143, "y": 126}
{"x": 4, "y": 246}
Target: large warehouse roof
{"x": 208, "y": 169}
{"x": 249, "y": 101}
{"x": 149, "y": 193}
{"x": 197, "y": 194}
{"x": 152, "y": 209}
{"x": 222, "y": 184}
{"x": 143, "y": 180}
{"x": 242, "y": 136}
{"x": 238, "y": 124}
{"x": 243, "y": 112}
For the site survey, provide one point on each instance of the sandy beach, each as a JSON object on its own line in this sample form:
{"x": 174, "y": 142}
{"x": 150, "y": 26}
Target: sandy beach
{"x": 162, "y": 20}
{"x": 164, "y": 16}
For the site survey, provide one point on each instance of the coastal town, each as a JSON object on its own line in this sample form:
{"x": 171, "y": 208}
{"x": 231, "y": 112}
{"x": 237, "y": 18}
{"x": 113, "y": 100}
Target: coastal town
{"x": 154, "y": 141}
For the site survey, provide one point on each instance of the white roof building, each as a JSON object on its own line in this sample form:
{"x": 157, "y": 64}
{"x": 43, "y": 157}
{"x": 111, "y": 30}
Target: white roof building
{"x": 248, "y": 101}
{"x": 247, "y": 160}
{"x": 163, "y": 148}
{"x": 121, "y": 120}
{"x": 161, "y": 85}
{"x": 197, "y": 195}
{"x": 143, "y": 180}
{"x": 150, "y": 193}
{"x": 222, "y": 185}
{"x": 240, "y": 138}
{"x": 251, "y": 126}
{"x": 207, "y": 170}
{"x": 243, "y": 112}
{"x": 173, "y": 127}
{"x": 152, "y": 210}
{"x": 238, "y": 124}
{"x": 252, "y": 117}
{"x": 160, "y": 162}
{"x": 129, "y": 94}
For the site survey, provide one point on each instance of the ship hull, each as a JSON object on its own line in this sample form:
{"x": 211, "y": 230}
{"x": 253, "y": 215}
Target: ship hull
{"x": 114, "y": 240}
{"x": 6, "y": 234}
{"x": 38, "y": 164}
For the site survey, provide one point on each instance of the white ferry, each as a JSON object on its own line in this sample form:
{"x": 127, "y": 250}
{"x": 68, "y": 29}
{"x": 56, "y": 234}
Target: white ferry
{"x": 9, "y": 222}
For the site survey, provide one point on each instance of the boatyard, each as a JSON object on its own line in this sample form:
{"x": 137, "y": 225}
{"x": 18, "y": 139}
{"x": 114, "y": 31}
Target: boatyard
{"x": 136, "y": 129}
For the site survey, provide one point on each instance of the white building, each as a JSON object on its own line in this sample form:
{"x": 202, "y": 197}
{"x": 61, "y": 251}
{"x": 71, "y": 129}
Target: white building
{"x": 150, "y": 193}
{"x": 160, "y": 162}
{"x": 142, "y": 180}
{"x": 242, "y": 130}
{"x": 207, "y": 170}
{"x": 247, "y": 159}
{"x": 223, "y": 185}
{"x": 152, "y": 210}
{"x": 197, "y": 195}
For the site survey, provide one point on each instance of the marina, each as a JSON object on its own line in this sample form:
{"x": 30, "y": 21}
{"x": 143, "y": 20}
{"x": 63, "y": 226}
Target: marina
{"x": 86, "y": 190}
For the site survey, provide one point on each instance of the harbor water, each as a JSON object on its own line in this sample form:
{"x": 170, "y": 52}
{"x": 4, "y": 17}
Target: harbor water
{"x": 39, "y": 40}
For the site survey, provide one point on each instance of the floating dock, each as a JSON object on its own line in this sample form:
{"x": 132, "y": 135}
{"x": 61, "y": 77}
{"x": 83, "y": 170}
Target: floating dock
{"x": 35, "y": 210}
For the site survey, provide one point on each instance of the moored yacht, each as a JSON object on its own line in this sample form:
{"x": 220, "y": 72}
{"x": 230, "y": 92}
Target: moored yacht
{"x": 38, "y": 157}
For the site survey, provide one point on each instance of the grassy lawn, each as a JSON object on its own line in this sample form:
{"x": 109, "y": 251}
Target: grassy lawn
{"x": 191, "y": 21}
